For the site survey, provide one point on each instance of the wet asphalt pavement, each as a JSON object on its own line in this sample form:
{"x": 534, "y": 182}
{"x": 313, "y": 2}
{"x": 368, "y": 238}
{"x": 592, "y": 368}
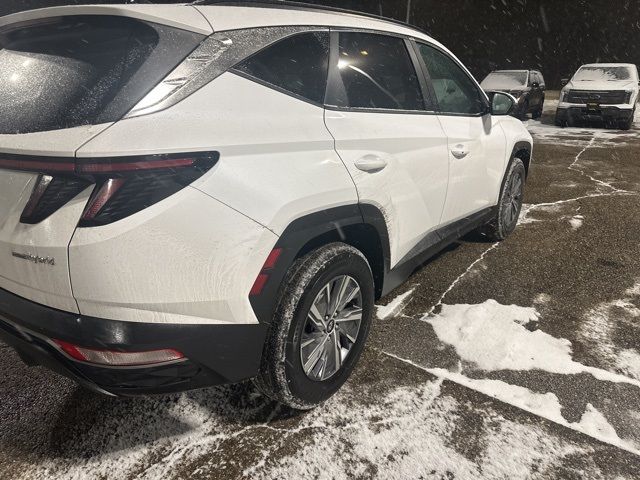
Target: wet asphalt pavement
{"x": 540, "y": 378}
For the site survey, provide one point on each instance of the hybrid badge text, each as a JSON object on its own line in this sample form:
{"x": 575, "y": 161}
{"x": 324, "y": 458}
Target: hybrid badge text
{"x": 35, "y": 258}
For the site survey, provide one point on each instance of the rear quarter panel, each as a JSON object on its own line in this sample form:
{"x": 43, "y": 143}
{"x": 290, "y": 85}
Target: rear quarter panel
{"x": 193, "y": 257}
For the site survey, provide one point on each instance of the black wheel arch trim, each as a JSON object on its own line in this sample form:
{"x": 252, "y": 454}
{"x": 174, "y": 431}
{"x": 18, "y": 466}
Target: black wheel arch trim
{"x": 352, "y": 224}
{"x": 521, "y": 146}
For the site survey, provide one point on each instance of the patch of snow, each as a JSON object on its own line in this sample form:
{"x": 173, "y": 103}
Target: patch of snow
{"x": 524, "y": 214}
{"x": 545, "y": 405}
{"x": 628, "y": 361}
{"x": 595, "y": 424}
{"x": 603, "y": 74}
{"x": 408, "y": 435}
{"x": 599, "y": 326}
{"x": 542, "y": 299}
{"x": 493, "y": 337}
{"x": 564, "y": 184}
{"x": 576, "y": 221}
{"x": 394, "y": 307}
{"x": 634, "y": 291}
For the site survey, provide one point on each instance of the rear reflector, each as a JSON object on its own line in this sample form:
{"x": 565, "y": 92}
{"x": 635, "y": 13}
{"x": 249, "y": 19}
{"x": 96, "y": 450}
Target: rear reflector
{"x": 263, "y": 276}
{"x": 116, "y": 358}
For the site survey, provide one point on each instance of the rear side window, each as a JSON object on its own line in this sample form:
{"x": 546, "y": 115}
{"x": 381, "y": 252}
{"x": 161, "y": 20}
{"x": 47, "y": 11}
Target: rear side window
{"x": 375, "y": 72}
{"x": 297, "y": 64}
{"x": 454, "y": 89}
{"x": 69, "y": 71}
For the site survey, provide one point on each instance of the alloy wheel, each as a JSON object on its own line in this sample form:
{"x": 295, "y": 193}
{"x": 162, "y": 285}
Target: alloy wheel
{"x": 331, "y": 329}
{"x": 513, "y": 200}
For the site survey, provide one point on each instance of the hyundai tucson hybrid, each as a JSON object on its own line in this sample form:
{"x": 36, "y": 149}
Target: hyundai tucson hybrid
{"x": 197, "y": 195}
{"x": 603, "y": 92}
{"x": 527, "y": 86}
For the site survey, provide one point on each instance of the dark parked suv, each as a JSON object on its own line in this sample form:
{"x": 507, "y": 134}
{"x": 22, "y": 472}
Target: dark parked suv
{"x": 527, "y": 86}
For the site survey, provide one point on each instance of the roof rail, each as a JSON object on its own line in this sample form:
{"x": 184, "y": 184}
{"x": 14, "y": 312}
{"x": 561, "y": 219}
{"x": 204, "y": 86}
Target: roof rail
{"x": 294, "y": 5}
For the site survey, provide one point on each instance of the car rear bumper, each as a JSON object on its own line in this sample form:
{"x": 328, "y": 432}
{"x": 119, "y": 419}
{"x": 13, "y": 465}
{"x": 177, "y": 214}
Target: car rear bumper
{"x": 603, "y": 113}
{"x": 214, "y": 354}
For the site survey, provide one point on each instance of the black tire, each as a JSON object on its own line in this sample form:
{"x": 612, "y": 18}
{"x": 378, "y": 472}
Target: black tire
{"x": 560, "y": 122}
{"x": 524, "y": 111}
{"x": 282, "y": 376}
{"x": 537, "y": 113}
{"x": 627, "y": 124}
{"x": 509, "y": 204}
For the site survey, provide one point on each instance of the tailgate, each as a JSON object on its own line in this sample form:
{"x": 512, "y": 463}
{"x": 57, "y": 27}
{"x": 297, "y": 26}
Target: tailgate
{"x": 33, "y": 257}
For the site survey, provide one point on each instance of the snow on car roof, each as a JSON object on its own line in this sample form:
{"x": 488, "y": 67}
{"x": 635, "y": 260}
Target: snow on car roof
{"x": 230, "y": 17}
{"x": 608, "y": 65}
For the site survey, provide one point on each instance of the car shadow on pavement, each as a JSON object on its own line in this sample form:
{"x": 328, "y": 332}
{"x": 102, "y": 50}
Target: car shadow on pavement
{"x": 76, "y": 423}
{"x": 95, "y": 419}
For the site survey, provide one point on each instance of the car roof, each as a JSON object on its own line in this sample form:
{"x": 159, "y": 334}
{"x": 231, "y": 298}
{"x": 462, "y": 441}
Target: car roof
{"x": 494, "y": 71}
{"x": 216, "y": 15}
{"x": 224, "y": 15}
{"x": 631, "y": 65}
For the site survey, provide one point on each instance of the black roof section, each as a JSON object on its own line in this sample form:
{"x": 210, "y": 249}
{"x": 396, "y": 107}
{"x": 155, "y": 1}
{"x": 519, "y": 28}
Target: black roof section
{"x": 293, "y": 5}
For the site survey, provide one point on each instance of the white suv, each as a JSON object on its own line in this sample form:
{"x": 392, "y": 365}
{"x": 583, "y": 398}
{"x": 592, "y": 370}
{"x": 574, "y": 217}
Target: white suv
{"x": 600, "y": 91}
{"x": 195, "y": 195}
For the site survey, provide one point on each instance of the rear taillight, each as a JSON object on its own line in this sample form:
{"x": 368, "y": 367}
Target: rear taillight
{"x": 115, "y": 358}
{"x": 125, "y": 186}
{"x": 122, "y": 186}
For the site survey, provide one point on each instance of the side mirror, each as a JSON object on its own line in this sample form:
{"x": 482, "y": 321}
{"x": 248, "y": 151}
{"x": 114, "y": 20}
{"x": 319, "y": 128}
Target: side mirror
{"x": 535, "y": 85}
{"x": 564, "y": 81}
{"x": 502, "y": 103}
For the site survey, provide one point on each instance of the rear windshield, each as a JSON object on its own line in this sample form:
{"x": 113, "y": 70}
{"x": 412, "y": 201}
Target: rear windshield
{"x": 69, "y": 71}
{"x": 504, "y": 80}
{"x": 609, "y": 74}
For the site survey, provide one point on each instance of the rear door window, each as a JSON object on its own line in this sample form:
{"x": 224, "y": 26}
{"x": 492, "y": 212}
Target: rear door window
{"x": 297, "y": 65}
{"x": 454, "y": 89}
{"x": 64, "y": 72}
{"x": 375, "y": 71}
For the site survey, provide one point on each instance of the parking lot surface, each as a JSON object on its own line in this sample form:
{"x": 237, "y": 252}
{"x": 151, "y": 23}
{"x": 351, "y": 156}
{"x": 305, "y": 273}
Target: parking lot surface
{"x": 512, "y": 360}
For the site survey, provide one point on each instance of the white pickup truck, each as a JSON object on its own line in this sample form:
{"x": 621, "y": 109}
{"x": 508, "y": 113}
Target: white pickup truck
{"x": 600, "y": 91}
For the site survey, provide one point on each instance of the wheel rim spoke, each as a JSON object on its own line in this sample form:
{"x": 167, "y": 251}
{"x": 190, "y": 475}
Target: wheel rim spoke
{"x": 355, "y": 290}
{"x": 351, "y": 315}
{"x": 315, "y": 316}
{"x": 338, "y": 293}
{"x": 327, "y": 339}
{"x": 337, "y": 350}
{"x": 314, "y": 356}
{"x": 511, "y": 202}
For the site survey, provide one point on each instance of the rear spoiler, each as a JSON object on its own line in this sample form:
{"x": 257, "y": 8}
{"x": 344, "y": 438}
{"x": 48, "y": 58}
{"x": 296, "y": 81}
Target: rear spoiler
{"x": 184, "y": 17}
